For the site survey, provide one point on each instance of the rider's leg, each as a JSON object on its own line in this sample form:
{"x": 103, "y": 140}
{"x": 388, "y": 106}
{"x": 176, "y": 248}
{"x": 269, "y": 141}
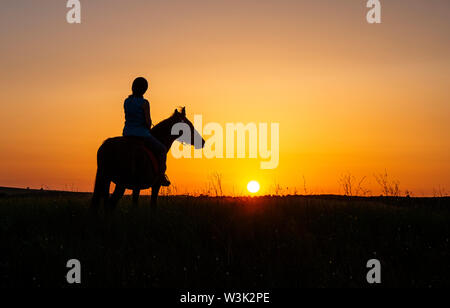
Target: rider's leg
{"x": 160, "y": 152}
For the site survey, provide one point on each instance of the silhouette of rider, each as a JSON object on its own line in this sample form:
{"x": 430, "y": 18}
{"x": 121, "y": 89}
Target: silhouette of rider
{"x": 138, "y": 123}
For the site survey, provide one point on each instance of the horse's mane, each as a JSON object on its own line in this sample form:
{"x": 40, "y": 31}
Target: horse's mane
{"x": 163, "y": 124}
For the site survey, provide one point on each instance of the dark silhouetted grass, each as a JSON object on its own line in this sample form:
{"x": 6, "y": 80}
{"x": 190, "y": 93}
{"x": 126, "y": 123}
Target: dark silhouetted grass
{"x": 226, "y": 242}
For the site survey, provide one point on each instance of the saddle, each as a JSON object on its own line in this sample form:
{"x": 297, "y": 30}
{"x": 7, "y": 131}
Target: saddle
{"x": 140, "y": 141}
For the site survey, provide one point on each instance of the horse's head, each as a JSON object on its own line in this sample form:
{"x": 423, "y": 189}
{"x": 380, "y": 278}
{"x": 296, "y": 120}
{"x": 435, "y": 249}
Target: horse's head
{"x": 193, "y": 137}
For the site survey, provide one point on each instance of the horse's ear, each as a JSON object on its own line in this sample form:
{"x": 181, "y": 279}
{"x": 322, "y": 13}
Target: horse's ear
{"x": 183, "y": 111}
{"x": 176, "y": 111}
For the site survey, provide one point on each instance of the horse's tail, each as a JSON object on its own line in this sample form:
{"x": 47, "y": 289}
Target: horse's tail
{"x": 101, "y": 186}
{"x": 98, "y": 189}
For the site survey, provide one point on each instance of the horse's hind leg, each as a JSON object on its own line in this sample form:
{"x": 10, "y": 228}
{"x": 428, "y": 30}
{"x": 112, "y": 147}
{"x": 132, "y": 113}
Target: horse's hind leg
{"x": 105, "y": 192}
{"x": 116, "y": 196}
{"x": 136, "y": 193}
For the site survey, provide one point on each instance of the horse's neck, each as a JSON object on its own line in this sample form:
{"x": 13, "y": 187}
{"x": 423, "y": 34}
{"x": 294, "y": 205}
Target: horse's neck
{"x": 163, "y": 132}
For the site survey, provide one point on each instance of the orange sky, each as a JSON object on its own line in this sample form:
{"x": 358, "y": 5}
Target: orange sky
{"x": 349, "y": 96}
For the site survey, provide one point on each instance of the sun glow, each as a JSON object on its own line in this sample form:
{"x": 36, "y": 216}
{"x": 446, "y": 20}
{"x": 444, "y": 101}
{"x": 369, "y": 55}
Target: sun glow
{"x": 253, "y": 187}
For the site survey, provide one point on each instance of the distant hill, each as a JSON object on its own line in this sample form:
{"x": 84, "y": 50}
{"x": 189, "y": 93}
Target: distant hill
{"x": 428, "y": 202}
{"x": 15, "y": 192}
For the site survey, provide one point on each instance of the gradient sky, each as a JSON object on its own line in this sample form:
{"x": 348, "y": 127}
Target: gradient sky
{"x": 350, "y": 97}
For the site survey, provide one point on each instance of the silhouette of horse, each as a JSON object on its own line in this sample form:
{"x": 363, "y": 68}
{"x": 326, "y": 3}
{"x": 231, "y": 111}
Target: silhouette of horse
{"x": 127, "y": 163}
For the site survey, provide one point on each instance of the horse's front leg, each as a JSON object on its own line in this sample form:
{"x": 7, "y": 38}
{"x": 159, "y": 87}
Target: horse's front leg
{"x": 136, "y": 193}
{"x": 154, "y": 199}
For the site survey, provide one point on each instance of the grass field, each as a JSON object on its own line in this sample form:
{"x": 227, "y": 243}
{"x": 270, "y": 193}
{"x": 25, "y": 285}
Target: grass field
{"x": 265, "y": 242}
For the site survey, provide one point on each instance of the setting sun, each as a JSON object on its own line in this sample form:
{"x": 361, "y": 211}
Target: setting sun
{"x": 253, "y": 187}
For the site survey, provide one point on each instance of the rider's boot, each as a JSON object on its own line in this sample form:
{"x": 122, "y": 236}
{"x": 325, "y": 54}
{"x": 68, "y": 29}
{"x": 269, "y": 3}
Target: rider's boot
{"x": 164, "y": 180}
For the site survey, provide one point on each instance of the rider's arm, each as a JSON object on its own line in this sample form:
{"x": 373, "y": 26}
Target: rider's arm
{"x": 148, "y": 120}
